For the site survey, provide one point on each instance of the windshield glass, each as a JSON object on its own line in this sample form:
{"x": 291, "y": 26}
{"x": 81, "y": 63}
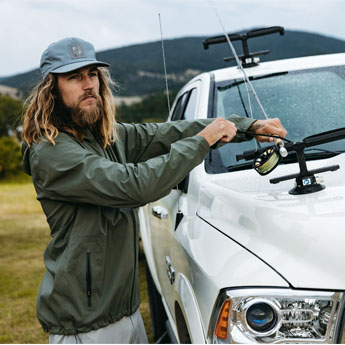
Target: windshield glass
{"x": 307, "y": 102}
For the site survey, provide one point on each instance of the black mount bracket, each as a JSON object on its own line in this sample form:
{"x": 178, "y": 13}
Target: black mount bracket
{"x": 306, "y": 182}
{"x": 248, "y": 59}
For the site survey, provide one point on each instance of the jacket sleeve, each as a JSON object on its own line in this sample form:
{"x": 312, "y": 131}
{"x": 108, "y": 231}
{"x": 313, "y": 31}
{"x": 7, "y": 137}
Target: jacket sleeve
{"x": 68, "y": 172}
{"x": 144, "y": 141}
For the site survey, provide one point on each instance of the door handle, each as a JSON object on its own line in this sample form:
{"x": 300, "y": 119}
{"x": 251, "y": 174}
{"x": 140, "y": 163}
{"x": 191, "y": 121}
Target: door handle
{"x": 170, "y": 270}
{"x": 160, "y": 212}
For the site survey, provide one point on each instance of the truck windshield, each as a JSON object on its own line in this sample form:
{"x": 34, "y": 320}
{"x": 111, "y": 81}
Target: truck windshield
{"x": 307, "y": 102}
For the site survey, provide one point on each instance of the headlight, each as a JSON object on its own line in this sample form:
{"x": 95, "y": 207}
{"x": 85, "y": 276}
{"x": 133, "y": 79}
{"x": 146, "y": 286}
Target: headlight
{"x": 277, "y": 315}
{"x": 262, "y": 316}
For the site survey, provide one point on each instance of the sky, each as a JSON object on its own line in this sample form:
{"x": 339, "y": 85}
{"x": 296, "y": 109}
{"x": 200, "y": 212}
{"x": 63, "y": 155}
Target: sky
{"x": 27, "y": 27}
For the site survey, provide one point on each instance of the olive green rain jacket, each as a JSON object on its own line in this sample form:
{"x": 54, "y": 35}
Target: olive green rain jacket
{"x": 89, "y": 196}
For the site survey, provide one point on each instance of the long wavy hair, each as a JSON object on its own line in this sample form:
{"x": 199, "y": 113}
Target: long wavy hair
{"x": 41, "y": 121}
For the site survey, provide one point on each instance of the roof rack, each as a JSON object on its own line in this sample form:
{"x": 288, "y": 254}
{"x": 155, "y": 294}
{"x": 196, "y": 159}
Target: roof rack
{"x": 248, "y": 59}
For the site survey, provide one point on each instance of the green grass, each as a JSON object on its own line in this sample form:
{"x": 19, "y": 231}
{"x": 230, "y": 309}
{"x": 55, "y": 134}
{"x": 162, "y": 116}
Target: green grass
{"x": 24, "y": 234}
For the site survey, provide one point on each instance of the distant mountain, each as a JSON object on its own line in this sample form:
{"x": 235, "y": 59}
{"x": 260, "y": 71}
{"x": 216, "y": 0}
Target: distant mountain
{"x": 138, "y": 69}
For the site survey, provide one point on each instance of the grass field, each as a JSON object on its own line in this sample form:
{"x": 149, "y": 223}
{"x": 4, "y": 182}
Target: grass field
{"x": 24, "y": 234}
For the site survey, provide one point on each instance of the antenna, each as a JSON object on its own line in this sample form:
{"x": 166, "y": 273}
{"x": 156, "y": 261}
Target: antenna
{"x": 238, "y": 62}
{"x": 165, "y": 68}
{"x": 179, "y": 214}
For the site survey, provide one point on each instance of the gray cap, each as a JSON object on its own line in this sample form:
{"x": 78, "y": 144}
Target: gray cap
{"x": 68, "y": 55}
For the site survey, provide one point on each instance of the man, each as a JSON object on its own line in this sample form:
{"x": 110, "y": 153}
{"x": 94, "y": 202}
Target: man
{"x": 90, "y": 175}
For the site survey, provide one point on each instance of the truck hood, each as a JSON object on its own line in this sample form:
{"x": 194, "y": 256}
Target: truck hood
{"x": 302, "y": 237}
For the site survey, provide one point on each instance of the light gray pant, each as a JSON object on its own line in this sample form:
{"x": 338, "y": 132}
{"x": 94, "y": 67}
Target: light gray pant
{"x": 128, "y": 330}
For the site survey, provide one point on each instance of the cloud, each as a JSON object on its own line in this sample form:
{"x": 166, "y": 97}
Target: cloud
{"x": 29, "y": 26}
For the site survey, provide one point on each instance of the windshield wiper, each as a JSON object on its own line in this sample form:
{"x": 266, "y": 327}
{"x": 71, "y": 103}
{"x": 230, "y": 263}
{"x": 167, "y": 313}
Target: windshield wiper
{"x": 324, "y": 150}
{"x": 239, "y": 82}
{"x": 238, "y": 167}
{"x": 318, "y": 153}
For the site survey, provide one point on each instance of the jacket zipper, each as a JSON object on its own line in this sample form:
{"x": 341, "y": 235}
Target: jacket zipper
{"x": 113, "y": 158}
{"x": 135, "y": 255}
{"x": 88, "y": 278}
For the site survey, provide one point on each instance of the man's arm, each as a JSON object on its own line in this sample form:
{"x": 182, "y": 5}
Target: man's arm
{"x": 70, "y": 173}
{"x": 144, "y": 141}
{"x": 224, "y": 131}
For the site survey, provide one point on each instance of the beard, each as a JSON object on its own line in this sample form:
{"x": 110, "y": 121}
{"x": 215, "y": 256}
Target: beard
{"x": 75, "y": 116}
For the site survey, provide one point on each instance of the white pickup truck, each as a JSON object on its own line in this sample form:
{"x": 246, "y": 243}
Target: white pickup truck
{"x": 238, "y": 257}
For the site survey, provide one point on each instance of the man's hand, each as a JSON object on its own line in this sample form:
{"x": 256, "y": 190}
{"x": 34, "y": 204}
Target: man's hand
{"x": 269, "y": 126}
{"x": 219, "y": 129}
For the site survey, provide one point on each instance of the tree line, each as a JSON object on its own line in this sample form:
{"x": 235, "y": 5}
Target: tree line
{"x": 11, "y": 110}
{"x": 152, "y": 108}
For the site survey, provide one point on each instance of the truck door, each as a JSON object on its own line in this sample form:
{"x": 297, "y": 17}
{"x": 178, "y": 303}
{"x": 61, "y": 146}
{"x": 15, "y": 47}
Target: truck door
{"x": 166, "y": 214}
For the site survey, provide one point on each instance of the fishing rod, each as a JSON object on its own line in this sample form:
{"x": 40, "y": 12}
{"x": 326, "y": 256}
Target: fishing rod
{"x": 280, "y": 143}
{"x": 245, "y": 76}
{"x": 179, "y": 213}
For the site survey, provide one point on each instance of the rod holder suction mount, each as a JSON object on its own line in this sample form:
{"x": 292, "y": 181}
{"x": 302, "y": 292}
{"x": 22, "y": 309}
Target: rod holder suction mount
{"x": 248, "y": 59}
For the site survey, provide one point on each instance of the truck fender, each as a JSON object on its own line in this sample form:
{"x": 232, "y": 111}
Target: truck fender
{"x": 190, "y": 310}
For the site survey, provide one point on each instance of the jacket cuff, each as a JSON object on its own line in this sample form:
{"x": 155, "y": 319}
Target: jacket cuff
{"x": 242, "y": 124}
{"x": 204, "y": 146}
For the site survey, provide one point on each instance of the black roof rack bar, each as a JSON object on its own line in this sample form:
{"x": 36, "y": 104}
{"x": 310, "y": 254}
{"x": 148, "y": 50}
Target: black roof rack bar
{"x": 243, "y": 37}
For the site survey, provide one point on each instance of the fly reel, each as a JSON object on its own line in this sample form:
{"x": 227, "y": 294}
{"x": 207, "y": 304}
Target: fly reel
{"x": 267, "y": 161}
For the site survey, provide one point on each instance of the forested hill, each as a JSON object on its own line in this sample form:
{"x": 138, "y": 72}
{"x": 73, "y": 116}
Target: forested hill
{"x": 138, "y": 69}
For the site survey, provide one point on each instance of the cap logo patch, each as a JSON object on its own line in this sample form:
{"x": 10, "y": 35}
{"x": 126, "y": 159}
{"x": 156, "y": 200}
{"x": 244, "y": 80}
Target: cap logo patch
{"x": 76, "y": 51}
